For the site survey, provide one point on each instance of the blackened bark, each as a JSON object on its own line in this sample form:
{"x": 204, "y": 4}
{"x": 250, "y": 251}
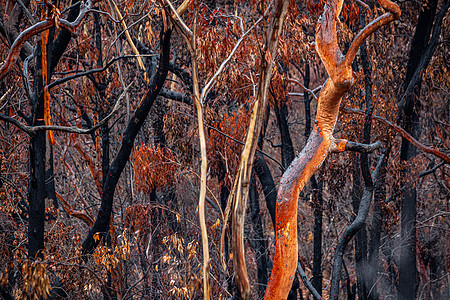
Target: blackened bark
{"x": 407, "y": 287}
{"x": 36, "y": 191}
{"x": 134, "y": 125}
{"x": 260, "y": 239}
{"x": 287, "y": 150}
{"x": 353, "y": 229}
{"x": 316, "y": 185}
{"x": 105, "y": 152}
{"x": 375, "y": 232}
{"x": 50, "y": 192}
{"x": 317, "y": 242}
{"x": 420, "y": 38}
{"x": 268, "y": 185}
{"x": 360, "y": 238}
{"x": 62, "y": 40}
{"x": 41, "y": 185}
{"x": 419, "y": 56}
{"x": 306, "y": 79}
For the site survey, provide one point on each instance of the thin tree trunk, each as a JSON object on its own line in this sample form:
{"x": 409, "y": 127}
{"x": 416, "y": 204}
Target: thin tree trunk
{"x": 101, "y": 224}
{"x": 242, "y": 182}
{"x": 287, "y": 149}
{"x": 260, "y": 238}
{"x": 420, "y": 54}
{"x": 316, "y": 185}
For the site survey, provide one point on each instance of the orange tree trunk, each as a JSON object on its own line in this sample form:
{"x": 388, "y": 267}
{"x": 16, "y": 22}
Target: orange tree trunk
{"x": 320, "y": 142}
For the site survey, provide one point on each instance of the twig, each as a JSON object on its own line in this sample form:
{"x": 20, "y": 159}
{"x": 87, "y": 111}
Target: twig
{"x": 89, "y": 72}
{"x": 211, "y": 82}
{"x": 305, "y": 88}
{"x": 432, "y": 170}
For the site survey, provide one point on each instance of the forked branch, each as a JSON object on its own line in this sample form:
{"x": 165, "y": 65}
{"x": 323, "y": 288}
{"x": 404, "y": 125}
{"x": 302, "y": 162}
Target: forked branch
{"x": 320, "y": 142}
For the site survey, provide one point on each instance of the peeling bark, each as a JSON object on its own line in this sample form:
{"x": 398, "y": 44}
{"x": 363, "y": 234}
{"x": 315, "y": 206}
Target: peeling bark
{"x": 242, "y": 182}
{"x": 318, "y": 146}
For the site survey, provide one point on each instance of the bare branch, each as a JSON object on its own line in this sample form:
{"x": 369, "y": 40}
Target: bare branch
{"x": 211, "y": 82}
{"x": 37, "y": 28}
{"x": 432, "y": 170}
{"x": 176, "y": 18}
{"x": 404, "y": 134}
{"x": 23, "y": 37}
{"x": 89, "y": 72}
{"x": 341, "y": 145}
{"x": 75, "y": 213}
{"x": 30, "y": 130}
{"x": 312, "y": 92}
{"x": 392, "y": 14}
{"x": 308, "y": 283}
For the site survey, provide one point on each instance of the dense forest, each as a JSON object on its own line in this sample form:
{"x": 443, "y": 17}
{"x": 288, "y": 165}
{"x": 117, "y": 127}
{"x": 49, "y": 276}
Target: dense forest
{"x": 275, "y": 149}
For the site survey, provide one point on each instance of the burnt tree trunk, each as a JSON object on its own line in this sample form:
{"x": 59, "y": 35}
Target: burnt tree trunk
{"x": 423, "y": 45}
{"x": 101, "y": 224}
{"x": 259, "y": 238}
{"x": 316, "y": 185}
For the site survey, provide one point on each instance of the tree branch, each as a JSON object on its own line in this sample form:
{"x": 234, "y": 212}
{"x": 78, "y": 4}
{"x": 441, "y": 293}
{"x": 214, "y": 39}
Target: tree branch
{"x": 432, "y": 170}
{"x": 392, "y": 15}
{"x": 89, "y": 72}
{"x": 75, "y": 213}
{"x": 341, "y": 145}
{"x": 308, "y": 283}
{"x": 31, "y": 130}
{"x": 23, "y": 37}
{"x": 404, "y": 134}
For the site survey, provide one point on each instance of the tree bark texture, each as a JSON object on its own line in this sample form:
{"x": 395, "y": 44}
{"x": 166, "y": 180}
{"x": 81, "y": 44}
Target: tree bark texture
{"x": 320, "y": 141}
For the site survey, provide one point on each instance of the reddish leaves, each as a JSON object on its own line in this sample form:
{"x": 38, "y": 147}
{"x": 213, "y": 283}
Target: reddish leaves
{"x": 155, "y": 167}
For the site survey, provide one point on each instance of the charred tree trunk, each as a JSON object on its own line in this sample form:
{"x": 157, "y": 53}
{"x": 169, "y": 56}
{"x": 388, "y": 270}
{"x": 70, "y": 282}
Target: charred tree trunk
{"x": 134, "y": 125}
{"x": 36, "y": 190}
{"x": 268, "y": 185}
{"x": 260, "y": 239}
{"x": 422, "y": 49}
{"x": 41, "y": 184}
{"x": 287, "y": 149}
{"x": 361, "y": 237}
{"x": 373, "y": 263}
{"x": 316, "y": 185}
